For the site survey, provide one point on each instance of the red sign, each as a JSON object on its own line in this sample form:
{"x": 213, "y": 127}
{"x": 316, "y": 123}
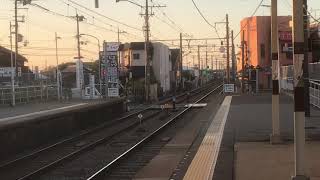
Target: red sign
{"x": 285, "y": 36}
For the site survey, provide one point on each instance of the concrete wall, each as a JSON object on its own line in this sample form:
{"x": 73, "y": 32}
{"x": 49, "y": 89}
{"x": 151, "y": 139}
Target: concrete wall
{"x": 162, "y": 65}
{"x": 29, "y": 133}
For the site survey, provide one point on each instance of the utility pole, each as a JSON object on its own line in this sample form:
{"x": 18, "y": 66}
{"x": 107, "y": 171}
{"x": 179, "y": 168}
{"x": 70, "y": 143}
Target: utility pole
{"x": 275, "y": 136}
{"x": 13, "y": 71}
{"x": 120, "y": 32}
{"x": 228, "y": 49}
{"x": 16, "y": 32}
{"x": 299, "y": 109}
{"x": 148, "y": 64}
{"x": 242, "y": 63}
{"x": 193, "y": 64}
{"x": 217, "y": 64}
{"x": 181, "y": 60}
{"x": 78, "y": 69}
{"x": 212, "y": 62}
{"x": 306, "y": 59}
{"x": 57, "y": 69}
{"x": 200, "y": 74}
{"x": 147, "y": 41}
{"x": 233, "y": 58}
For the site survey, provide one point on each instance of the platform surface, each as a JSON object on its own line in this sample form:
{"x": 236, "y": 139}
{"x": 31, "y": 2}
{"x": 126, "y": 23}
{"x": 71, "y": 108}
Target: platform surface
{"x": 249, "y": 121}
{"x": 203, "y": 164}
{"x": 260, "y": 160}
{"x": 11, "y": 115}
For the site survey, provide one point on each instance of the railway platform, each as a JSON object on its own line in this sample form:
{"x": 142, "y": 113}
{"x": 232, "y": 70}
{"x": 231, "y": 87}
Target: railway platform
{"x": 245, "y": 152}
{"x": 31, "y": 125}
{"x": 236, "y": 145}
{"x": 29, "y": 112}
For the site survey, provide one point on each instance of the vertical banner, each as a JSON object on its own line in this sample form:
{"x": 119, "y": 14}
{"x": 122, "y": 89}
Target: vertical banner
{"x": 110, "y": 68}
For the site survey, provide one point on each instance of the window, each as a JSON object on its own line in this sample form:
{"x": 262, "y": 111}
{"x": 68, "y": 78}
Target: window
{"x": 136, "y": 56}
{"x": 263, "y": 51}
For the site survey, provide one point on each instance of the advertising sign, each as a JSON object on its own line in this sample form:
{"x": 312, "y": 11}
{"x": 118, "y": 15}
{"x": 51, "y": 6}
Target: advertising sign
{"x": 110, "y": 68}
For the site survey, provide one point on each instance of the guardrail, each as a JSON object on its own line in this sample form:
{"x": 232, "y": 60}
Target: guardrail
{"x": 315, "y": 93}
{"x": 28, "y": 93}
{"x": 314, "y": 88}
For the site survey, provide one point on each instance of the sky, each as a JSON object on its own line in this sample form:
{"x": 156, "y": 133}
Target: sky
{"x": 52, "y": 16}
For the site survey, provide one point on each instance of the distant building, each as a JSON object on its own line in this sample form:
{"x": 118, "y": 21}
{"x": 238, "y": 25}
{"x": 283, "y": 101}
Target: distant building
{"x": 257, "y": 50}
{"x": 315, "y": 42}
{"x": 132, "y": 59}
{"x": 69, "y": 75}
{"x": 5, "y": 66}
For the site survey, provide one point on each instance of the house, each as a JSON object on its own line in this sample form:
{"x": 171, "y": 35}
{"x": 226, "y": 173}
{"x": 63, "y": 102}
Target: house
{"x": 133, "y": 60}
{"x": 5, "y": 66}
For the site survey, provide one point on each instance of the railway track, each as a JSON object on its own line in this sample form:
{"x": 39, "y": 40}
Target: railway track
{"x": 149, "y": 150}
{"x": 37, "y": 163}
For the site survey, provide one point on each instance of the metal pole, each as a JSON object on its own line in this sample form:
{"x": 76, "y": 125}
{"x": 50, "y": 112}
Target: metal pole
{"x": 228, "y": 49}
{"x": 13, "y": 96}
{"x": 106, "y": 76}
{"x": 242, "y": 63}
{"x": 257, "y": 80}
{"x": 306, "y": 59}
{"x": 57, "y": 69}
{"x": 16, "y": 33}
{"x": 206, "y": 55}
{"x": 100, "y": 82}
{"x": 299, "y": 114}
{"x": 200, "y": 74}
{"x": 79, "y": 81}
{"x": 181, "y": 60}
{"x": 233, "y": 57}
{"x": 147, "y": 73}
{"x": 275, "y": 136}
{"x": 193, "y": 57}
{"x": 212, "y": 62}
{"x": 99, "y": 60}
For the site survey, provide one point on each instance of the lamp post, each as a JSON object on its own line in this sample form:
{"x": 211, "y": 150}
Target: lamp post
{"x": 99, "y": 48}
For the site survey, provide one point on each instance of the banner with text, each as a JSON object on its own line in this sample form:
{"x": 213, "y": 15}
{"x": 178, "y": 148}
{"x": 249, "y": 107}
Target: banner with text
{"x": 110, "y": 68}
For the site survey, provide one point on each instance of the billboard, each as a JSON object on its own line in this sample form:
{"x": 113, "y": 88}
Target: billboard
{"x": 110, "y": 68}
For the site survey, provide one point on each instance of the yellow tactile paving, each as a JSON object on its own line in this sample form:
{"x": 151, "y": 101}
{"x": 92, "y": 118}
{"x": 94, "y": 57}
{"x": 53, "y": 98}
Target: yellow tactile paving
{"x": 203, "y": 165}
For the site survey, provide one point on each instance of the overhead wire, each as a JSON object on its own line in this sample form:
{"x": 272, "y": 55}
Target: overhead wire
{"x": 205, "y": 19}
{"x": 111, "y": 19}
{"x": 254, "y": 12}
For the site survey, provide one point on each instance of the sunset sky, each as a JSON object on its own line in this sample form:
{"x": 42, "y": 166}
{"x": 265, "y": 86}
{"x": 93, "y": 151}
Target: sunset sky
{"x": 40, "y": 24}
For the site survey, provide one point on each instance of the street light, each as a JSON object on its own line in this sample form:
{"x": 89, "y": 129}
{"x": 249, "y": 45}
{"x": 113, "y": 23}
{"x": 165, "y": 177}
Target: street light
{"x": 100, "y": 86}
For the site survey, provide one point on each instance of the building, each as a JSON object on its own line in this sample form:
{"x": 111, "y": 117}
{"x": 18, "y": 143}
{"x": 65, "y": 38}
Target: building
{"x": 132, "y": 60}
{"x": 5, "y": 66}
{"x": 315, "y": 42}
{"x": 257, "y": 46}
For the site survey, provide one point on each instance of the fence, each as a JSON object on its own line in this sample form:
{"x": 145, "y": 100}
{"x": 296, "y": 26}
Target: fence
{"x": 286, "y": 82}
{"x": 28, "y": 94}
{"x": 315, "y": 93}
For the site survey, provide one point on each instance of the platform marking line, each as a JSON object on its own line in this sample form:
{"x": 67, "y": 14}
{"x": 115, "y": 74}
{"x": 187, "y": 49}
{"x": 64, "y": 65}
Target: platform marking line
{"x": 40, "y": 112}
{"x": 203, "y": 165}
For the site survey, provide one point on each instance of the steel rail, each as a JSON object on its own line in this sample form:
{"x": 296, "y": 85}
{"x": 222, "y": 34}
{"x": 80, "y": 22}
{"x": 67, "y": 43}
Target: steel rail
{"x": 98, "y": 174}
